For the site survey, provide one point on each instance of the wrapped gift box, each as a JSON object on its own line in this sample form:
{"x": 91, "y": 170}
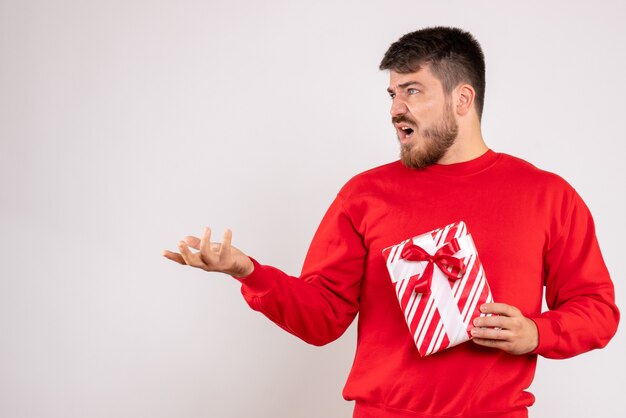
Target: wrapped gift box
{"x": 440, "y": 284}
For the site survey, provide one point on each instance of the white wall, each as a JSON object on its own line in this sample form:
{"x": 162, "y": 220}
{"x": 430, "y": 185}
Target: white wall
{"x": 125, "y": 125}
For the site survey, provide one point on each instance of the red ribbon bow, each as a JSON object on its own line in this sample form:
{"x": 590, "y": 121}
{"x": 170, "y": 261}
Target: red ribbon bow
{"x": 451, "y": 266}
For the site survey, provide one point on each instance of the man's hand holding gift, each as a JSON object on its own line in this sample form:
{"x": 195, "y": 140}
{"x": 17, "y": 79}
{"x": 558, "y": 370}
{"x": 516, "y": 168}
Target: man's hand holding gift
{"x": 506, "y": 328}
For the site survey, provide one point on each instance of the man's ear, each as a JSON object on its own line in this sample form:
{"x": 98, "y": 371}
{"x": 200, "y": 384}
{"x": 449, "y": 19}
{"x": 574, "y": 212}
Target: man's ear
{"x": 465, "y": 96}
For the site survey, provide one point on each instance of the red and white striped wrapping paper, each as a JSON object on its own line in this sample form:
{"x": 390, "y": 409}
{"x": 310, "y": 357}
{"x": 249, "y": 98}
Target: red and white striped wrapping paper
{"x": 441, "y": 318}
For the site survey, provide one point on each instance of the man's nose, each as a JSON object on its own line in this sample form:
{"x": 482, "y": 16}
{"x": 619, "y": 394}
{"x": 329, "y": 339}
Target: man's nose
{"x": 398, "y": 107}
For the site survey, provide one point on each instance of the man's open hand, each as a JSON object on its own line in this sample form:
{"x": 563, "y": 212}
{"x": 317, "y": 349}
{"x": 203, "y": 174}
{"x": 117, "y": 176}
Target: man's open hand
{"x": 212, "y": 256}
{"x": 509, "y": 330}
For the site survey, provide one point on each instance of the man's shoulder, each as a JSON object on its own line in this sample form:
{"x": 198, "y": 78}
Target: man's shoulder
{"x": 527, "y": 172}
{"x": 372, "y": 180}
{"x": 391, "y": 169}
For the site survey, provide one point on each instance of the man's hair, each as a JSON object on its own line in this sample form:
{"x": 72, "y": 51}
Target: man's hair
{"x": 454, "y": 57}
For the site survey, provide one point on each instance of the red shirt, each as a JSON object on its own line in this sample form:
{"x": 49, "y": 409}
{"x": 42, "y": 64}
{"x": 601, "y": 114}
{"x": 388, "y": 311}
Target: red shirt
{"x": 531, "y": 230}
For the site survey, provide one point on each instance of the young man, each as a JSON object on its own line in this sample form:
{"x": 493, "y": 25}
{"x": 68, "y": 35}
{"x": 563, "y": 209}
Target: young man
{"x": 530, "y": 228}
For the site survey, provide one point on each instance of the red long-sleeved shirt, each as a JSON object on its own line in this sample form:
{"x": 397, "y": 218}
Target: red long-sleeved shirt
{"x": 531, "y": 230}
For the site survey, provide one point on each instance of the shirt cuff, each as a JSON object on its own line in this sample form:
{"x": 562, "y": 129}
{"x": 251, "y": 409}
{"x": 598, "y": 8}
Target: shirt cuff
{"x": 549, "y": 335}
{"x": 259, "y": 282}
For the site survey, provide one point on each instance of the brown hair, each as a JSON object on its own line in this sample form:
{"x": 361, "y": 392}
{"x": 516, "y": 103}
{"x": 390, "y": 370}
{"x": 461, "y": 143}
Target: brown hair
{"x": 454, "y": 57}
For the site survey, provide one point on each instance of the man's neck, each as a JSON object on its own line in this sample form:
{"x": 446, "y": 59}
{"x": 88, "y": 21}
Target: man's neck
{"x": 465, "y": 148}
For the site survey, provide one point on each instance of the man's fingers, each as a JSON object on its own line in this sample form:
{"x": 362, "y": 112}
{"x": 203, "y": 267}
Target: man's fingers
{"x": 225, "y": 248}
{"x": 500, "y": 309}
{"x": 190, "y": 258}
{"x": 193, "y": 242}
{"x": 210, "y": 256}
{"x": 491, "y": 334}
{"x": 184, "y": 252}
{"x": 205, "y": 246}
{"x": 174, "y": 257}
{"x": 493, "y": 322}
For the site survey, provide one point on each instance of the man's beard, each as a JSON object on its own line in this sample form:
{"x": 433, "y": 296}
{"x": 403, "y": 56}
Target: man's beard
{"x": 433, "y": 143}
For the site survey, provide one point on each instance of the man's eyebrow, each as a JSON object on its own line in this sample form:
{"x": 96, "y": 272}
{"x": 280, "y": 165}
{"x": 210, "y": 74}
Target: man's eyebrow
{"x": 403, "y": 85}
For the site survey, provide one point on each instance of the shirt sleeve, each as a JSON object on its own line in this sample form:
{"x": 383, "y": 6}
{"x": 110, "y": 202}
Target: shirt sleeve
{"x": 579, "y": 292}
{"x": 319, "y": 305}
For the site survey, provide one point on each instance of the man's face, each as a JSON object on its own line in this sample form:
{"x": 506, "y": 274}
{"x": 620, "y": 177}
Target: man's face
{"x": 423, "y": 117}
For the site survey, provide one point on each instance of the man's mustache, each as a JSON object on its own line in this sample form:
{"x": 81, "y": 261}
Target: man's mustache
{"x": 400, "y": 119}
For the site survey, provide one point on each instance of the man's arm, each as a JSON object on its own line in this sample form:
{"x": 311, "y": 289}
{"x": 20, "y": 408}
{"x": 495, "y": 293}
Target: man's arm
{"x": 319, "y": 305}
{"x": 579, "y": 293}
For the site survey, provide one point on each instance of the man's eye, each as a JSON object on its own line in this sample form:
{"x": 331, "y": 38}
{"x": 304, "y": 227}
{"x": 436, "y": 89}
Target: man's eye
{"x": 392, "y": 95}
{"x": 412, "y": 91}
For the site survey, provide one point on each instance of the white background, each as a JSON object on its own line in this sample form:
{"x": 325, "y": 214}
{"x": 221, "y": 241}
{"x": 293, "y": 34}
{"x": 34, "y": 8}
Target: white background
{"x": 126, "y": 125}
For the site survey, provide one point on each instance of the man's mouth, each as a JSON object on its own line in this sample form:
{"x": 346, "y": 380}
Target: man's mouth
{"x": 404, "y": 133}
